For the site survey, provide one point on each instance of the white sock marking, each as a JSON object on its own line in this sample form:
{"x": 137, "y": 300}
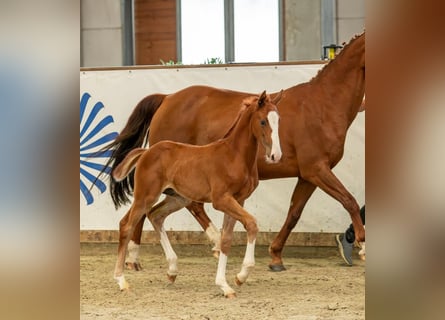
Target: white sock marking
{"x": 221, "y": 275}
{"x": 169, "y": 254}
{"x": 214, "y": 236}
{"x": 133, "y": 252}
{"x": 248, "y": 262}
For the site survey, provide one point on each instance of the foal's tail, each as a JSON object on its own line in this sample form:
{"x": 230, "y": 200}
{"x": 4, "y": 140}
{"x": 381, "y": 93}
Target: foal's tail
{"x": 123, "y": 169}
{"x": 132, "y": 136}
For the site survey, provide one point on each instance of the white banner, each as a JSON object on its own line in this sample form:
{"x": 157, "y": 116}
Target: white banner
{"x": 107, "y": 98}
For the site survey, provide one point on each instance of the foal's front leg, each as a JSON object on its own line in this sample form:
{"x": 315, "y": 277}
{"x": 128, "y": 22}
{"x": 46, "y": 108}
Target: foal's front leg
{"x": 248, "y": 263}
{"x": 234, "y": 211}
{"x": 226, "y": 242}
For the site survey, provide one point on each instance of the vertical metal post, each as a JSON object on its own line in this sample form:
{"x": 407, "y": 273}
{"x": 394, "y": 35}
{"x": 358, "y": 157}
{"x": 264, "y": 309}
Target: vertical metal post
{"x": 178, "y": 32}
{"x": 328, "y": 23}
{"x": 281, "y": 41}
{"x": 81, "y": 37}
{"x": 229, "y": 34}
{"x": 127, "y": 15}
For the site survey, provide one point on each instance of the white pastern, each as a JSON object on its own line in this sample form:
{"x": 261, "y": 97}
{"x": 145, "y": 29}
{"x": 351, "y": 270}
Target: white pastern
{"x": 248, "y": 262}
{"x": 169, "y": 254}
{"x": 123, "y": 284}
{"x": 133, "y": 252}
{"x": 274, "y": 120}
{"x": 214, "y": 236}
{"x": 362, "y": 252}
{"x": 221, "y": 275}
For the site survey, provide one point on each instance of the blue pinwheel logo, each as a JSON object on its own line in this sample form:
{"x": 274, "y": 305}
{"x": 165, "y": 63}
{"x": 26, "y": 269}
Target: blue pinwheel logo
{"x": 94, "y": 135}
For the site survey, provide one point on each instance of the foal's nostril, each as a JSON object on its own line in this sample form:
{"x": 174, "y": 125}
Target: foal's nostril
{"x": 273, "y": 157}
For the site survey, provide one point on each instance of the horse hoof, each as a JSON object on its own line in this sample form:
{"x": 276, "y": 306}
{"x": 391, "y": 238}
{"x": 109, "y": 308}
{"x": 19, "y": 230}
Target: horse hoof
{"x": 133, "y": 266}
{"x": 171, "y": 278}
{"x": 231, "y": 295}
{"x": 123, "y": 284}
{"x": 276, "y": 267}
{"x": 124, "y": 287}
{"x": 216, "y": 254}
{"x": 238, "y": 282}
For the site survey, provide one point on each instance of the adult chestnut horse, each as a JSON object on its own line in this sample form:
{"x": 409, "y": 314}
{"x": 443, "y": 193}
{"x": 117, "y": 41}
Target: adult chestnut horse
{"x": 315, "y": 117}
{"x": 223, "y": 172}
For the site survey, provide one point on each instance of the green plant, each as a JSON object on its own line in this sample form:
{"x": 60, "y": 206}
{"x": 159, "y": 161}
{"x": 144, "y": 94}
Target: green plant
{"x": 170, "y": 63}
{"x": 213, "y": 61}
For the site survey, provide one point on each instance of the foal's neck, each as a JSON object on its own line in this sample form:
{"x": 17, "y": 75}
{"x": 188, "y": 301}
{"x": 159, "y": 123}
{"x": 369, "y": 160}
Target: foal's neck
{"x": 241, "y": 138}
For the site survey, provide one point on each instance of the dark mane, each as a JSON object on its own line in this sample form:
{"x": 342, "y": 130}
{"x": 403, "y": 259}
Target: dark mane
{"x": 320, "y": 72}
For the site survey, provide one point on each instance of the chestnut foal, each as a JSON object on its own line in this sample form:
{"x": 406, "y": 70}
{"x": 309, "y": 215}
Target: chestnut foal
{"x": 223, "y": 172}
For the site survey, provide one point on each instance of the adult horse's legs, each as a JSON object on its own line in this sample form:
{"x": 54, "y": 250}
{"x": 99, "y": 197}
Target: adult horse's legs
{"x": 302, "y": 192}
{"x": 157, "y": 216}
{"x": 198, "y": 212}
{"x": 330, "y": 184}
{"x": 234, "y": 211}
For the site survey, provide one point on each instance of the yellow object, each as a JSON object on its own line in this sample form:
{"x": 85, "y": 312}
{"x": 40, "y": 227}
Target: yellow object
{"x": 331, "y": 53}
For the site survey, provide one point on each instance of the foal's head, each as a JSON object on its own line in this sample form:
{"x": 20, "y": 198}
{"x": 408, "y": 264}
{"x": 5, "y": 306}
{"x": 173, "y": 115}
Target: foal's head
{"x": 265, "y": 120}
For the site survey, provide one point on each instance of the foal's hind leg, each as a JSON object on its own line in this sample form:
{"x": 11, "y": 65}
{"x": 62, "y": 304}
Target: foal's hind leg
{"x": 157, "y": 216}
{"x": 132, "y": 261}
{"x": 126, "y": 228}
{"x": 198, "y": 212}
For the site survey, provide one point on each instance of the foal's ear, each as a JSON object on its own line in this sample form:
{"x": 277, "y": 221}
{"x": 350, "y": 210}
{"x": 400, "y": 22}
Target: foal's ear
{"x": 277, "y": 97}
{"x": 262, "y": 99}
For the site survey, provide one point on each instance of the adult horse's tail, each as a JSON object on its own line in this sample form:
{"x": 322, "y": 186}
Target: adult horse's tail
{"x": 132, "y": 136}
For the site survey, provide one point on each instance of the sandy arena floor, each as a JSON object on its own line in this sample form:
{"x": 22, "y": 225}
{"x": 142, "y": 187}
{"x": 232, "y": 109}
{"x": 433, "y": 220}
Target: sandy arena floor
{"x": 317, "y": 285}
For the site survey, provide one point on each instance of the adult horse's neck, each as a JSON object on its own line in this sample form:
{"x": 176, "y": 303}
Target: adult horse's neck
{"x": 241, "y": 138}
{"x": 343, "y": 78}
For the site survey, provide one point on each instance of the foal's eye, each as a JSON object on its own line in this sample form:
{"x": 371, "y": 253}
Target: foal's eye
{"x": 263, "y": 123}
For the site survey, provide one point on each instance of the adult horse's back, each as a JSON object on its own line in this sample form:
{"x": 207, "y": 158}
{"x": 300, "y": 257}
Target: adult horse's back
{"x": 315, "y": 117}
